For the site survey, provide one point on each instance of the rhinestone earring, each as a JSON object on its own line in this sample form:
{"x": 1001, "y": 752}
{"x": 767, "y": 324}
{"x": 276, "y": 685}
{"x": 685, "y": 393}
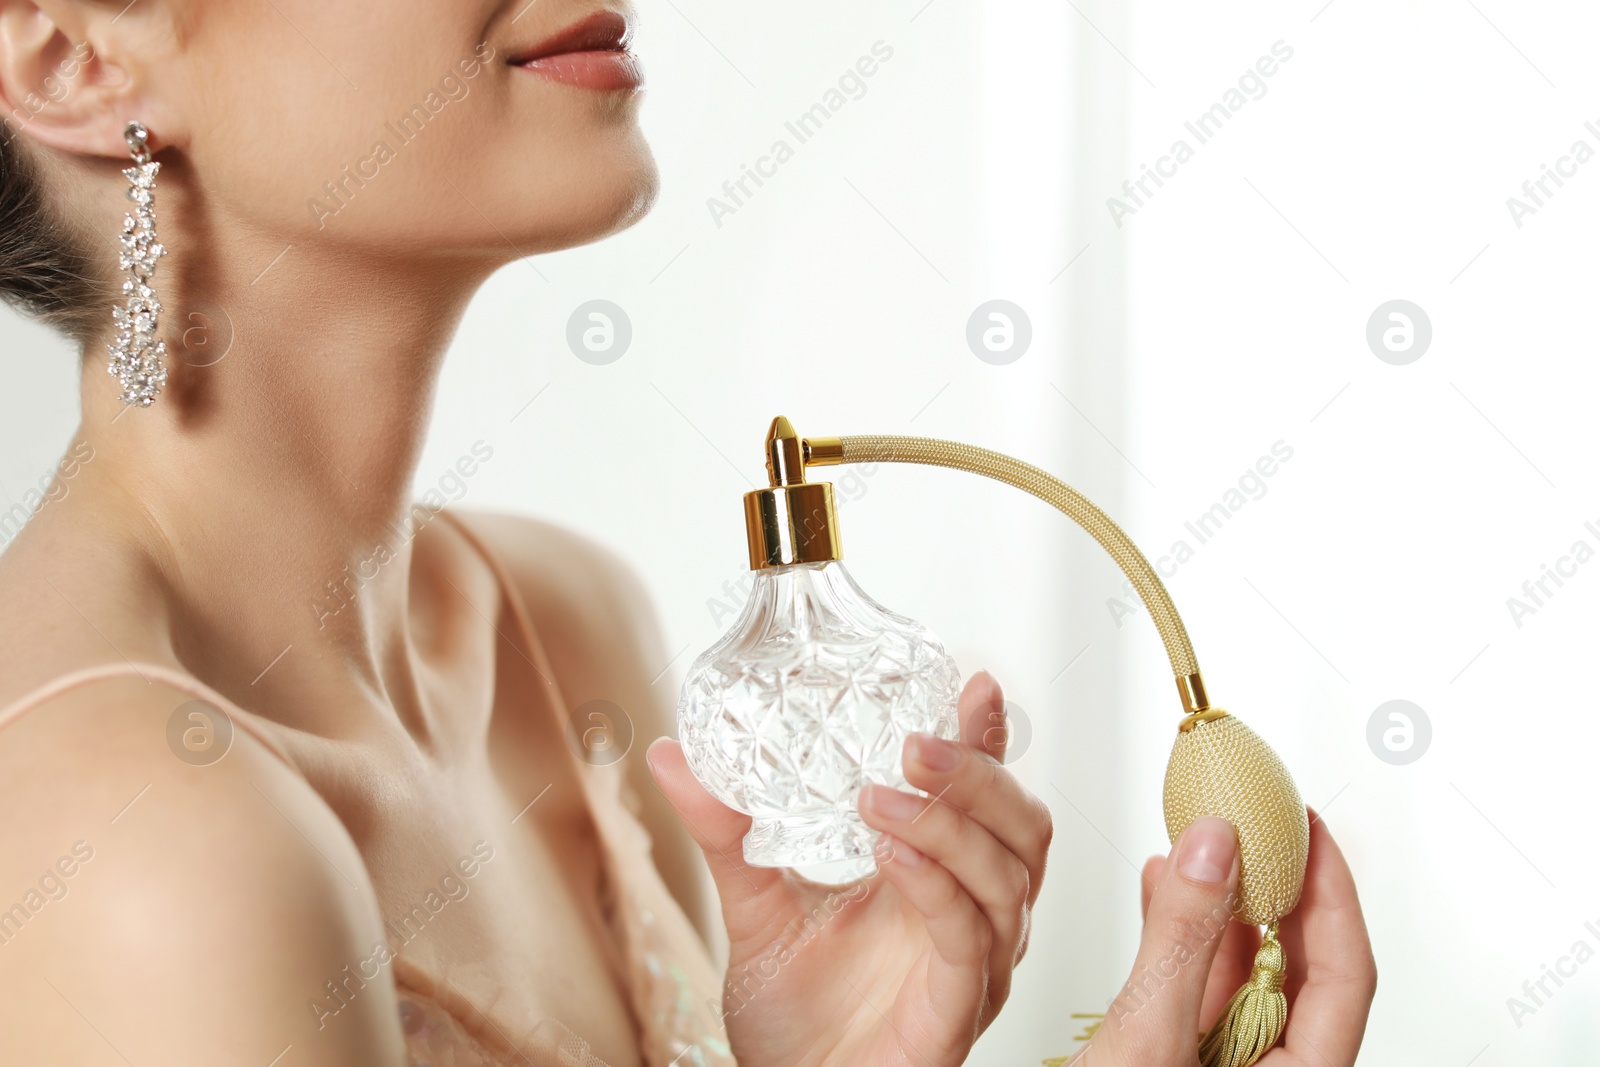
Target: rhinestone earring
{"x": 137, "y": 357}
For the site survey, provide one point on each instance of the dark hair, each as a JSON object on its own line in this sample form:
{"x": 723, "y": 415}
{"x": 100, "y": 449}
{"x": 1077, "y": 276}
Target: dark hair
{"x": 45, "y": 270}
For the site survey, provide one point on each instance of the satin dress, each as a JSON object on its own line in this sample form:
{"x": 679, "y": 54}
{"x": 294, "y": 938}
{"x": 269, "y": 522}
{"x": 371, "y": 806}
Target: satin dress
{"x": 672, "y": 987}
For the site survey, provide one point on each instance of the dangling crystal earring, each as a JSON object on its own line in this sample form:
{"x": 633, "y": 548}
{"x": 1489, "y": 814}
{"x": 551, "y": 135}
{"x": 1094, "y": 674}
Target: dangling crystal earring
{"x": 137, "y": 357}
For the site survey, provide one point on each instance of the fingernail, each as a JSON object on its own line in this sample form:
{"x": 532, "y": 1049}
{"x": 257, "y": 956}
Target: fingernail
{"x": 892, "y": 803}
{"x": 934, "y": 753}
{"x": 1206, "y": 850}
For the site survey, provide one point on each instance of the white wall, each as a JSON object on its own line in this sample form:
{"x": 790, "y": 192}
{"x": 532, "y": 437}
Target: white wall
{"x": 1420, "y": 497}
{"x": 1171, "y": 354}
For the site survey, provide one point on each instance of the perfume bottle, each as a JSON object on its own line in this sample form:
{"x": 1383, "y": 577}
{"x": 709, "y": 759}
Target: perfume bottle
{"x": 813, "y": 691}
{"x": 811, "y": 694}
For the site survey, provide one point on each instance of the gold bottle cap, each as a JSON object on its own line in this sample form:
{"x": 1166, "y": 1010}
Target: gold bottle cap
{"x": 793, "y": 520}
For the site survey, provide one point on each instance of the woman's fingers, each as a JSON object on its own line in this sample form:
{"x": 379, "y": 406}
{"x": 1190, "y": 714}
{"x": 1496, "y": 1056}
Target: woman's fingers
{"x": 968, "y": 777}
{"x": 961, "y": 938}
{"x": 1156, "y": 1016}
{"x": 1332, "y": 975}
{"x": 716, "y": 828}
{"x": 982, "y": 711}
{"x": 1149, "y": 878}
{"x": 1236, "y": 954}
{"x": 995, "y": 879}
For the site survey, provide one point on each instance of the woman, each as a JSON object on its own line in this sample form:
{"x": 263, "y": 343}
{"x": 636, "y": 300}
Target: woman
{"x": 283, "y": 775}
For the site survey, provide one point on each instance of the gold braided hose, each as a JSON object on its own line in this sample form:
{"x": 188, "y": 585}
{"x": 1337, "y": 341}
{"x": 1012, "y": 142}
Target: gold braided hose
{"x": 881, "y": 448}
{"x": 1218, "y": 767}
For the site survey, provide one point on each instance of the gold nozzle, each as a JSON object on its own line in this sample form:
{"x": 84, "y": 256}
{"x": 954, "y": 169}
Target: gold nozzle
{"x": 823, "y": 451}
{"x": 792, "y": 520}
{"x": 1192, "y": 691}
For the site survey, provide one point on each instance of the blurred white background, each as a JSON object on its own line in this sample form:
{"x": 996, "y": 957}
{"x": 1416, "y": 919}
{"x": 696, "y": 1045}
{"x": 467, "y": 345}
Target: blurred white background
{"x": 1225, "y": 315}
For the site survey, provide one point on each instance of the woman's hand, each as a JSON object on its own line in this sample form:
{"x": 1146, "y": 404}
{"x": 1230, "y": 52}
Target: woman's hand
{"x": 1193, "y": 957}
{"x": 910, "y": 966}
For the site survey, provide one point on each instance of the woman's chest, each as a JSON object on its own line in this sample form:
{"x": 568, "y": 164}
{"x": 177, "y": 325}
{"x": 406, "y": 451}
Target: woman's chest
{"x": 498, "y": 905}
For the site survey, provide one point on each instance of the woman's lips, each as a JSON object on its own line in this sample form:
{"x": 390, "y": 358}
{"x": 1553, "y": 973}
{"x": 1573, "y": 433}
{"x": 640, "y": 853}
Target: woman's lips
{"x": 590, "y": 70}
{"x": 591, "y": 54}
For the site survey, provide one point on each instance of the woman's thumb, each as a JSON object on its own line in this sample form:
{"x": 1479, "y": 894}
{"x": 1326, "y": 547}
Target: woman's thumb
{"x": 1156, "y": 1017}
{"x": 717, "y": 829}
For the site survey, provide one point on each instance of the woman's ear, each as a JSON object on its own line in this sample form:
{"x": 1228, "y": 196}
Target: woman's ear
{"x": 74, "y": 73}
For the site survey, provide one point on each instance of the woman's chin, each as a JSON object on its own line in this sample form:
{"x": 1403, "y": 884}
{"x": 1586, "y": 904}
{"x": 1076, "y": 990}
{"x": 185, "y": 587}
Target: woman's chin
{"x": 601, "y": 207}
{"x": 643, "y": 184}
{"x": 646, "y": 189}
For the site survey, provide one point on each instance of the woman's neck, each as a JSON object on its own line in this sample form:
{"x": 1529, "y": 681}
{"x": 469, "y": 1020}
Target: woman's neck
{"x": 269, "y": 493}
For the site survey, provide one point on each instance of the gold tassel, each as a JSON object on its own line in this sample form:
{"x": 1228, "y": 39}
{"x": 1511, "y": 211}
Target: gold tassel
{"x": 1255, "y": 1017}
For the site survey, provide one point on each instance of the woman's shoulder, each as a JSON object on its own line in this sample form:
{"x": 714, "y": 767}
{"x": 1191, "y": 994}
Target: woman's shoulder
{"x": 157, "y": 865}
{"x": 571, "y": 584}
{"x": 75, "y": 607}
{"x": 132, "y": 756}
